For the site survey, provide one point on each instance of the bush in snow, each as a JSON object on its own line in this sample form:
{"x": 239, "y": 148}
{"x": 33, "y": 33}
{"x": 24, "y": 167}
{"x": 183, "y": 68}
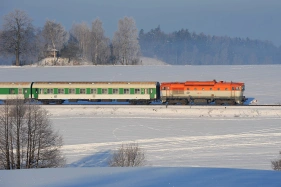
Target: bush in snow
{"x": 276, "y": 164}
{"x": 130, "y": 155}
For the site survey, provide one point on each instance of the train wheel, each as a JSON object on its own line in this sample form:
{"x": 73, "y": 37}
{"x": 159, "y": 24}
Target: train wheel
{"x": 59, "y": 102}
{"x": 231, "y": 102}
{"x": 133, "y": 102}
{"x": 219, "y": 102}
{"x": 45, "y": 102}
{"x": 184, "y": 102}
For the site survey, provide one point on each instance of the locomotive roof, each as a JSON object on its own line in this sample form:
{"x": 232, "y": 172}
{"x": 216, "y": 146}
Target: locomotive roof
{"x": 202, "y": 83}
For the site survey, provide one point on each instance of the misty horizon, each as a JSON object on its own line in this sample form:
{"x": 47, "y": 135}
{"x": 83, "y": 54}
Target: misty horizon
{"x": 253, "y": 19}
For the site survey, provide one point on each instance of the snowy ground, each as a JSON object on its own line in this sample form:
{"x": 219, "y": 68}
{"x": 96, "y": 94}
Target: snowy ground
{"x": 243, "y": 137}
{"x": 134, "y": 177}
{"x": 215, "y": 136}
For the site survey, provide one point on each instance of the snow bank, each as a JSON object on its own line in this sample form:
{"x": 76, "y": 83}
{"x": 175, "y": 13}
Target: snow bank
{"x": 170, "y": 111}
{"x": 147, "y": 176}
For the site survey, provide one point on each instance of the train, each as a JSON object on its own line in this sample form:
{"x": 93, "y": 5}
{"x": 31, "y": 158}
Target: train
{"x": 133, "y": 92}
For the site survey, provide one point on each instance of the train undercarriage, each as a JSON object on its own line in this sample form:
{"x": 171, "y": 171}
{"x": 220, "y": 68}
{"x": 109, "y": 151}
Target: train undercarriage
{"x": 204, "y": 101}
{"x": 132, "y": 102}
{"x": 167, "y": 101}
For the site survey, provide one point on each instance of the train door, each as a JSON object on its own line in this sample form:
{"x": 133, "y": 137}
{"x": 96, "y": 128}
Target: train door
{"x": 232, "y": 91}
{"x": 35, "y": 93}
{"x": 26, "y": 93}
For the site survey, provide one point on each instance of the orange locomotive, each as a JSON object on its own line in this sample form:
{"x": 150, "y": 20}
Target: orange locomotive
{"x": 202, "y": 92}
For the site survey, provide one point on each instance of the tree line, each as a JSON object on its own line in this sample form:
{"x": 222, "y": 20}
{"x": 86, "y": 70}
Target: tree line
{"x": 83, "y": 42}
{"x": 185, "y": 48}
{"x": 27, "y": 44}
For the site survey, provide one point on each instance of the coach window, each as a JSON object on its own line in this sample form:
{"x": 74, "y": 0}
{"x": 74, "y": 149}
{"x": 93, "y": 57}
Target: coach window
{"x": 226, "y": 89}
{"x": 211, "y": 88}
{"x": 50, "y": 91}
{"x": 137, "y": 91}
{"x": 20, "y": 91}
{"x": 93, "y": 91}
{"x": 233, "y": 88}
{"x": 60, "y": 91}
{"x": 12, "y": 91}
{"x": 82, "y": 91}
{"x": 203, "y": 89}
{"x": 115, "y": 91}
{"x": 187, "y": 88}
{"x": 195, "y": 88}
{"x": 126, "y": 91}
{"x": 218, "y": 88}
{"x": 71, "y": 91}
{"x": 104, "y": 91}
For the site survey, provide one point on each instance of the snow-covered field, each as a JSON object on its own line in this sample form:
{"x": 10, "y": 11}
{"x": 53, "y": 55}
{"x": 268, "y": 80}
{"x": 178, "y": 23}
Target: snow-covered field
{"x": 180, "y": 137}
{"x": 215, "y": 136}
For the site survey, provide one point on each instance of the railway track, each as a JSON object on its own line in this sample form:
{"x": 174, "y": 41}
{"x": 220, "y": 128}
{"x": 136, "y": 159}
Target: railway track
{"x": 152, "y": 104}
{"x": 106, "y": 104}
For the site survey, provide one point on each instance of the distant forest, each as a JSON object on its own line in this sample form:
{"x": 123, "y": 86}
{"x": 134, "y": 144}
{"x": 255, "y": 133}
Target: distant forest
{"x": 185, "y": 48}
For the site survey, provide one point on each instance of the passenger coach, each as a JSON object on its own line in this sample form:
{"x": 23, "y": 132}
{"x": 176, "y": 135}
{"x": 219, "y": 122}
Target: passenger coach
{"x": 133, "y": 92}
{"x": 13, "y": 90}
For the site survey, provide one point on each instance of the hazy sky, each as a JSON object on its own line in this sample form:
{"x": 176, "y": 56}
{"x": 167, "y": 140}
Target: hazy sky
{"x": 256, "y": 19}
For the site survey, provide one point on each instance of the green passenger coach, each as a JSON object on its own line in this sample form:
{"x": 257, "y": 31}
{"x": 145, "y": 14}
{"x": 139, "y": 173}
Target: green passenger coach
{"x": 133, "y": 92}
{"x": 13, "y": 90}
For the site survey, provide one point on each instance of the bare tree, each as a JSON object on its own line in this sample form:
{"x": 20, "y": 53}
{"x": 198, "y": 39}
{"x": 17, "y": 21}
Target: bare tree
{"x": 5, "y": 133}
{"x": 27, "y": 139}
{"x": 71, "y": 49}
{"x": 43, "y": 143}
{"x": 100, "y": 51}
{"x": 276, "y": 164}
{"x": 82, "y": 33}
{"x": 55, "y": 35}
{"x": 17, "y": 35}
{"x": 126, "y": 47}
{"x": 130, "y": 155}
{"x": 17, "y": 114}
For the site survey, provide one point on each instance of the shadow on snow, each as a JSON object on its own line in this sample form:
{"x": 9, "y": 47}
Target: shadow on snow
{"x": 100, "y": 159}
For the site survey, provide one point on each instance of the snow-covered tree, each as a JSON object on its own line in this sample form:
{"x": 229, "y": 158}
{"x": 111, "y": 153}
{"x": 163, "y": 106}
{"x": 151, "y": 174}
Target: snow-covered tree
{"x": 17, "y": 35}
{"x": 100, "y": 50}
{"x": 82, "y": 33}
{"x": 125, "y": 42}
{"x": 55, "y": 35}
